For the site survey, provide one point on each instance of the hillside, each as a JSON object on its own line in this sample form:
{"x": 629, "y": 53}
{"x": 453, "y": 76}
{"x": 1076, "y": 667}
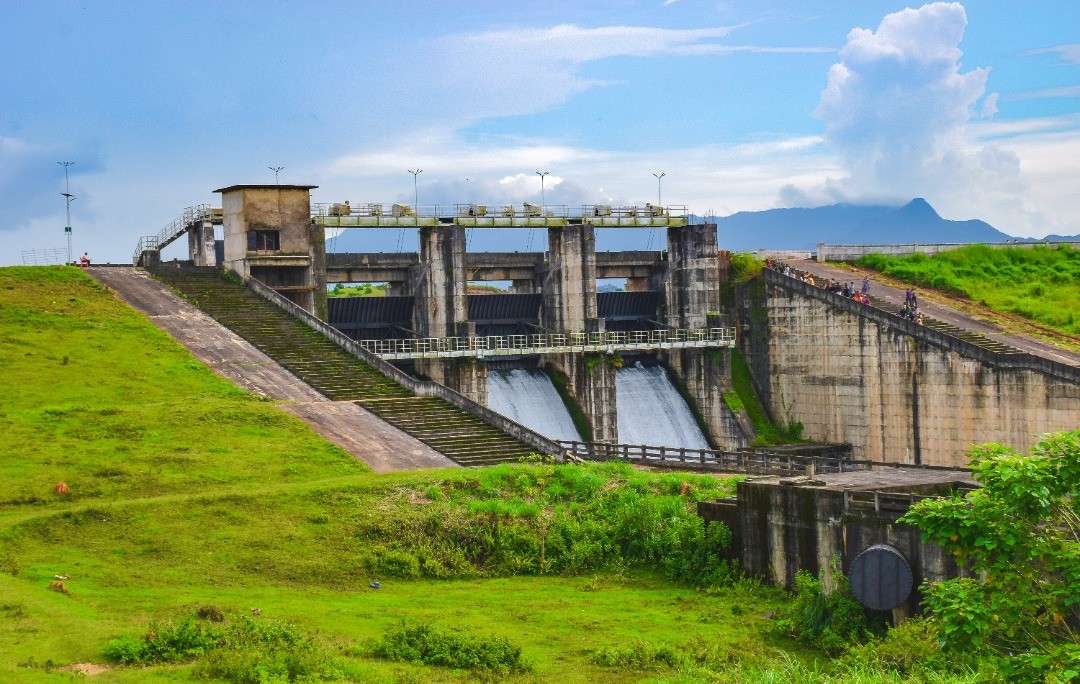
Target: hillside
{"x": 1040, "y": 283}
{"x": 187, "y": 495}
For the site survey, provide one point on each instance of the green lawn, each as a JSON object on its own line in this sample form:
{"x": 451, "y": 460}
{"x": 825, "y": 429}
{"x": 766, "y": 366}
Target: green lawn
{"x": 1040, "y": 283}
{"x": 187, "y": 492}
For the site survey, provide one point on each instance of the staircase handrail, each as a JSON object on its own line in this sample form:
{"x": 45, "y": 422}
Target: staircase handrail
{"x": 172, "y": 230}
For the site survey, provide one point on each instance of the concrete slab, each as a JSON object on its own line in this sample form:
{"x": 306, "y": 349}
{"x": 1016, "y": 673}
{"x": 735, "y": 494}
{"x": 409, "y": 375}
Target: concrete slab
{"x": 881, "y": 477}
{"x": 381, "y": 446}
{"x": 378, "y": 444}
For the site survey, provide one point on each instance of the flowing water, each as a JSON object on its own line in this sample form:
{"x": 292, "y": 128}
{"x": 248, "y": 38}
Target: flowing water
{"x": 529, "y": 398}
{"x": 651, "y": 411}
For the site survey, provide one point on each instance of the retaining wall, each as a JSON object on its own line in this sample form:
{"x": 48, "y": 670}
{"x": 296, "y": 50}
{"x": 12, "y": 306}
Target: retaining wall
{"x": 894, "y": 390}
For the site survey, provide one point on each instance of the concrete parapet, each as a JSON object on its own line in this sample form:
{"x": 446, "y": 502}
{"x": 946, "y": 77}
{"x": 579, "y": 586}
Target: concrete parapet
{"x": 852, "y": 252}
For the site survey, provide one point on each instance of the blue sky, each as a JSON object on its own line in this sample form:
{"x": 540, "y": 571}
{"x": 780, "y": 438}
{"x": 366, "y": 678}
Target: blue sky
{"x": 744, "y": 105}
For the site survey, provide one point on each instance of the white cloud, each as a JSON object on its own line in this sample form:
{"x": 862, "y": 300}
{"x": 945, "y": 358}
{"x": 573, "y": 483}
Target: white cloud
{"x": 1064, "y": 91}
{"x": 1068, "y": 54}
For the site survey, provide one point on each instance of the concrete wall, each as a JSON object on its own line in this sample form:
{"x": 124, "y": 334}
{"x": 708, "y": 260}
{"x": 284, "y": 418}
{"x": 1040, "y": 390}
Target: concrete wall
{"x": 894, "y": 390}
{"x": 782, "y": 527}
{"x": 852, "y": 252}
{"x": 569, "y": 285}
{"x": 705, "y": 374}
{"x": 201, "y": 244}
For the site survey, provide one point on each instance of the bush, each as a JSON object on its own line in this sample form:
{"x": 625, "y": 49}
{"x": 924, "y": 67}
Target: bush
{"x": 639, "y": 655}
{"x": 430, "y": 644}
{"x": 243, "y": 649}
{"x": 831, "y": 621}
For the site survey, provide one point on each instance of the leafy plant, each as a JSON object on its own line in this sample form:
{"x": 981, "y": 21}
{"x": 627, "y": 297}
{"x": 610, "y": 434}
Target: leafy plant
{"x": 829, "y": 620}
{"x": 430, "y": 644}
{"x": 1019, "y": 535}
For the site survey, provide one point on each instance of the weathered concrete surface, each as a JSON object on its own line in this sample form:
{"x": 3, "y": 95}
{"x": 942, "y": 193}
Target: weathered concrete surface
{"x": 381, "y": 446}
{"x": 853, "y": 374}
{"x": 881, "y": 293}
{"x": 570, "y": 281}
{"x": 593, "y": 388}
{"x": 782, "y": 525}
{"x": 705, "y": 375}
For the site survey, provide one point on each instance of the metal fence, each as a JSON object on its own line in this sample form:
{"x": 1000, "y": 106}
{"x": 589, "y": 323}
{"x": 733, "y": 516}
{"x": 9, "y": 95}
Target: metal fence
{"x": 553, "y": 343}
{"x": 749, "y": 461}
{"x": 44, "y": 257}
{"x": 525, "y": 211}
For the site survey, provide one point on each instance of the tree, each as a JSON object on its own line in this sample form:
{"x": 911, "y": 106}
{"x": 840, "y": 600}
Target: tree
{"x": 1019, "y": 536}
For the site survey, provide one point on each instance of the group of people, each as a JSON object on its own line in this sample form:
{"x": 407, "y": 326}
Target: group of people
{"x": 860, "y": 294}
{"x": 911, "y": 310}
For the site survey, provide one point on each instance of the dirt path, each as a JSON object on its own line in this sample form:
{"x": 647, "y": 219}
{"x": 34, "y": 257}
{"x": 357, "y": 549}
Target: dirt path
{"x": 936, "y": 305}
{"x": 380, "y": 445}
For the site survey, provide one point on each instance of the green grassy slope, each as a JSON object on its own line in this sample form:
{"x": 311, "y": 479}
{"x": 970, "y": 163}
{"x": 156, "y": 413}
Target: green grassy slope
{"x": 1040, "y": 283}
{"x": 188, "y": 492}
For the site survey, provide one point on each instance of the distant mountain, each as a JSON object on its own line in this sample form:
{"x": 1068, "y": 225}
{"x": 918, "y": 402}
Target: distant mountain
{"x": 916, "y": 221}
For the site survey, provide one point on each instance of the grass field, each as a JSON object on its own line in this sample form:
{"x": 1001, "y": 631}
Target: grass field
{"x": 187, "y": 493}
{"x": 1040, "y": 283}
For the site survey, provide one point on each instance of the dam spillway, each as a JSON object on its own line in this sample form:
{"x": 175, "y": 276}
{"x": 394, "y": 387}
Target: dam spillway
{"x": 651, "y": 411}
{"x": 528, "y": 397}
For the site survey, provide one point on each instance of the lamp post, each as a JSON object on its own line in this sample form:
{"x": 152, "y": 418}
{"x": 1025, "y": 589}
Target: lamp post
{"x": 276, "y": 170}
{"x": 68, "y": 197}
{"x": 659, "y": 200}
{"x": 543, "y": 199}
{"x": 416, "y": 195}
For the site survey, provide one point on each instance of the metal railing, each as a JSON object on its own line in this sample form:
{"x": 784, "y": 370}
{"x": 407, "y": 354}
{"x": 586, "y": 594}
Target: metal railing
{"x": 44, "y": 257}
{"x": 550, "y": 343}
{"x": 891, "y": 502}
{"x": 173, "y": 229}
{"x": 748, "y": 461}
{"x": 526, "y": 210}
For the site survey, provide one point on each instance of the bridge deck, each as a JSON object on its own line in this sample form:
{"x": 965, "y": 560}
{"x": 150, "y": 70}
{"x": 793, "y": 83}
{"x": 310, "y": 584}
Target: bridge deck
{"x": 534, "y": 345}
{"x": 504, "y": 216}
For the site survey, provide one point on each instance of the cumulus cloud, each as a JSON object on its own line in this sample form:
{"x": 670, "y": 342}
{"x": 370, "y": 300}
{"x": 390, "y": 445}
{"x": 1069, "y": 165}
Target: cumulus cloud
{"x": 897, "y": 109}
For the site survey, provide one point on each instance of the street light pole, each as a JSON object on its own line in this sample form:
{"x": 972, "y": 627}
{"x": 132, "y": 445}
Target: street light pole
{"x": 416, "y": 194}
{"x": 275, "y": 169}
{"x": 543, "y": 199}
{"x": 659, "y": 199}
{"x": 68, "y": 197}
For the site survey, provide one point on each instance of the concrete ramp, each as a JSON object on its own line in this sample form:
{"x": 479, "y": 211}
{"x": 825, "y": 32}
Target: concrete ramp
{"x": 381, "y": 446}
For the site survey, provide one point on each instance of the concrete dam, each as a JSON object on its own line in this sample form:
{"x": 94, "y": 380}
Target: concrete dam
{"x": 894, "y": 391}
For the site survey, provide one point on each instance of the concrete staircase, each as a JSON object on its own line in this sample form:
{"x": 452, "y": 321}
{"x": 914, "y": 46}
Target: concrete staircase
{"x": 338, "y": 375}
{"x": 977, "y": 339}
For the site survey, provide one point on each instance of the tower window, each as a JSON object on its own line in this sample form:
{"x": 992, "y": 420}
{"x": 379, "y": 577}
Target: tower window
{"x": 264, "y": 241}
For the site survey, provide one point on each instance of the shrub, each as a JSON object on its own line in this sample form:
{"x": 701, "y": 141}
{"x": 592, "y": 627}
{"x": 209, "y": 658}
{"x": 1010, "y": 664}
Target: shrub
{"x": 639, "y": 655}
{"x": 828, "y": 620}
{"x": 430, "y": 644}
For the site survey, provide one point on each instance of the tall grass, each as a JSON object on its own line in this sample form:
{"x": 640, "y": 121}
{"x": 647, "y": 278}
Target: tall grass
{"x": 1040, "y": 283}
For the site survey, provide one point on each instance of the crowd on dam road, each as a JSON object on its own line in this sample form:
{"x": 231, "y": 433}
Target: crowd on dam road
{"x": 861, "y": 294}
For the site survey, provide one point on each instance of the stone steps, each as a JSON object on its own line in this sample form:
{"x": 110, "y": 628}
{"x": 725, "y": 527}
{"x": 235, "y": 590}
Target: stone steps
{"x": 977, "y": 339}
{"x": 339, "y": 375}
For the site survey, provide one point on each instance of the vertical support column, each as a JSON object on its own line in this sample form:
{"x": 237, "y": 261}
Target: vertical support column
{"x": 692, "y": 300}
{"x": 570, "y": 283}
{"x": 317, "y": 240}
{"x": 201, "y": 244}
{"x": 692, "y": 285}
{"x": 569, "y": 305}
{"x": 441, "y": 309}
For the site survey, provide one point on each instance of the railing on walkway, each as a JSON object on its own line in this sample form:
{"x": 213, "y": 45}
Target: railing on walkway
{"x": 174, "y": 229}
{"x": 375, "y": 214}
{"x": 892, "y": 503}
{"x": 749, "y": 461}
{"x": 554, "y": 343}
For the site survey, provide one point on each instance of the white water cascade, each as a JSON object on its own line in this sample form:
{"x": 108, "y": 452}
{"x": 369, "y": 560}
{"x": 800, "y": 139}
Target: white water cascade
{"x": 651, "y": 411}
{"x": 529, "y": 398}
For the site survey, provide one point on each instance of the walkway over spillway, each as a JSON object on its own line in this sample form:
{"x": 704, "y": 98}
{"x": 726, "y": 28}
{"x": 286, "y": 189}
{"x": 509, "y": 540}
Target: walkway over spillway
{"x": 611, "y": 342}
{"x": 376, "y": 215}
